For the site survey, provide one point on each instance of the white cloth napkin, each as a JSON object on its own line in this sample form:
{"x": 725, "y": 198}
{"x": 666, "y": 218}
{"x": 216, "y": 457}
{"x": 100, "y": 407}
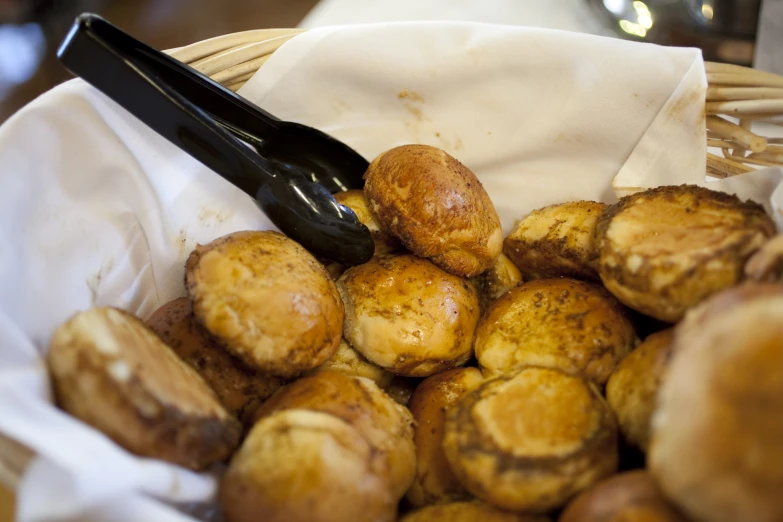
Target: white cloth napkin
{"x": 95, "y": 209}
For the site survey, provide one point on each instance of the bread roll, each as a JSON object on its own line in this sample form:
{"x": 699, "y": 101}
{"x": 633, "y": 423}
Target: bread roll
{"x": 501, "y": 277}
{"x": 406, "y": 315}
{"x": 557, "y": 241}
{"x": 628, "y": 497}
{"x": 240, "y": 389}
{"x": 436, "y": 206}
{"x": 113, "y": 373}
{"x": 717, "y": 433}
{"x": 306, "y": 466}
{"x": 571, "y": 325}
{"x": 350, "y": 362}
{"x": 387, "y": 426}
{"x": 666, "y": 249}
{"x": 435, "y": 482}
{"x": 468, "y": 512}
{"x": 267, "y": 300}
{"x": 529, "y": 441}
{"x": 385, "y": 243}
{"x": 632, "y": 389}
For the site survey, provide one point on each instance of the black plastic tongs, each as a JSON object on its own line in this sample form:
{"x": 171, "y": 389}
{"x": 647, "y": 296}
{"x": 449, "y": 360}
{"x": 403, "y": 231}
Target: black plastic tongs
{"x": 291, "y": 170}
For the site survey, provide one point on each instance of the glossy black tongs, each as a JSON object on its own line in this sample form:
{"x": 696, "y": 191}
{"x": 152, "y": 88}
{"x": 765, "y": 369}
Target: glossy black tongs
{"x": 291, "y": 170}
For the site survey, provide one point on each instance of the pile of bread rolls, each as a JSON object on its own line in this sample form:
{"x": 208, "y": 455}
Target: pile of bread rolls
{"x": 458, "y": 375}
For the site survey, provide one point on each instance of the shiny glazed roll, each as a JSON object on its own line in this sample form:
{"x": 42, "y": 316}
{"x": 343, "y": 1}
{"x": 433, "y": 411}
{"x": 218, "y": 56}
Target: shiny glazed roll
{"x": 239, "y": 388}
{"x": 267, "y": 300}
{"x": 436, "y": 206}
{"x": 387, "y": 426}
{"x": 407, "y": 315}
{"x": 571, "y": 325}
{"x": 529, "y": 441}
{"x": 557, "y": 241}
{"x": 632, "y": 390}
{"x": 435, "y": 482}
{"x": 666, "y": 249}
{"x": 306, "y": 466}
{"x": 113, "y": 373}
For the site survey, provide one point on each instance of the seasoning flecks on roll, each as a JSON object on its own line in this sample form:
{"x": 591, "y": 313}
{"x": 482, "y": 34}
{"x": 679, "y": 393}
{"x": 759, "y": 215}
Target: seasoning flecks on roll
{"x": 267, "y": 300}
{"x": 529, "y": 441}
{"x": 571, "y": 325}
{"x": 436, "y": 206}
{"x": 408, "y": 316}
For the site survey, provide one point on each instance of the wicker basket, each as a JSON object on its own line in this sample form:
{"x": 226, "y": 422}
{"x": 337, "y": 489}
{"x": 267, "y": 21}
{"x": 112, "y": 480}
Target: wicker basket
{"x": 734, "y": 91}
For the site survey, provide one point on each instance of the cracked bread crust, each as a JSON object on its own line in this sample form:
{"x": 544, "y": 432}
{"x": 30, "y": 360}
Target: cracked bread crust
{"x": 557, "y": 241}
{"x": 666, "y": 249}
{"x": 560, "y": 439}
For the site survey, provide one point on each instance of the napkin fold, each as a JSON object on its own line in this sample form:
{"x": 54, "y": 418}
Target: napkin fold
{"x": 95, "y": 209}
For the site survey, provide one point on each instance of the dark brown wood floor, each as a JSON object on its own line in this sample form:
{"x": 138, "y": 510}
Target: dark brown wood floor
{"x": 161, "y": 23}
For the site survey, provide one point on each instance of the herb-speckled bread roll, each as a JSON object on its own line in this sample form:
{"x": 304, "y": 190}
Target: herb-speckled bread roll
{"x": 666, "y": 249}
{"x": 558, "y": 323}
{"x": 436, "y": 206}
{"x": 267, "y": 300}
{"x": 557, "y": 241}
{"x": 529, "y": 441}
{"x": 239, "y": 388}
{"x": 407, "y": 315}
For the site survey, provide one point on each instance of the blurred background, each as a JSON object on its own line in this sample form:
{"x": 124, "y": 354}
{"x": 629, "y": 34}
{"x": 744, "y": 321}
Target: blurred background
{"x": 31, "y": 30}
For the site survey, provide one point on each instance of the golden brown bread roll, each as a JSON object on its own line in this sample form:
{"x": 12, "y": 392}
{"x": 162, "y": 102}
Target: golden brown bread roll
{"x": 766, "y": 265}
{"x": 501, "y": 277}
{"x": 529, "y": 441}
{"x": 628, "y": 497}
{"x": 717, "y": 433}
{"x": 407, "y": 315}
{"x": 113, "y": 373}
{"x": 468, "y": 512}
{"x": 350, "y": 362}
{"x": 436, "y": 206}
{"x": 385, "y": 243}
{"x": 306, "y": 466}
{"x": 387, "y": 426}
{"x": 556, "y": 241}
{"x": 666, "y": 249}
{"x": 558, "y": 323}
{"x": 267, "y": 300}
{"x": 632, "y": 389}
{"x": 239, "y": 388}
{"x": 435, "y": 482}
